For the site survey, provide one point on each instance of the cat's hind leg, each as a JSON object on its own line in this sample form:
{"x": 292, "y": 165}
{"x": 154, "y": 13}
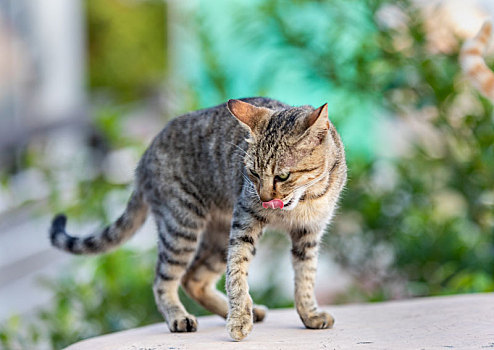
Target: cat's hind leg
{"x": 208, "y": 266}
{"x": 201, "y": 277}
{"x": 178, "y": 236}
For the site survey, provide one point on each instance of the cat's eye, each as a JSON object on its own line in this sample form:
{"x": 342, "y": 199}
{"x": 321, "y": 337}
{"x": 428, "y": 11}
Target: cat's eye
{"x": 282, "y": 177}
{"x": 253, "y": 173}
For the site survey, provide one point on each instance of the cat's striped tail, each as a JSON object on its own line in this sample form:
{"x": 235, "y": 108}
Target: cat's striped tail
{"x": 473, "y": 63}
{"x": 112, "y": 236}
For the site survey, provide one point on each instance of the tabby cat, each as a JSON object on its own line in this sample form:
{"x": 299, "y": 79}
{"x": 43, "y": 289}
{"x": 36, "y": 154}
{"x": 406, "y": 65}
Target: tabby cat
{"x": 473, "y": 64}
{"x": 213, "y": 184}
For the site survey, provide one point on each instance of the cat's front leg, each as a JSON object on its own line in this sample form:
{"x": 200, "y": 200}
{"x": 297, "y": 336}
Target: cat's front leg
{"x": 305, "y": 245}
{"x": 245, "y": 231}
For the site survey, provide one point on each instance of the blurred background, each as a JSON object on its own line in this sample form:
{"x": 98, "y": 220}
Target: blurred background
{"x": 86, "y": 84}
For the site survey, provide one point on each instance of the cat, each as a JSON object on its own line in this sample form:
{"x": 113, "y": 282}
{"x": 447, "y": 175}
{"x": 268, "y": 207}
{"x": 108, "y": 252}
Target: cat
{"x": 473, "y": 63}
{"x": 214, "y": 179}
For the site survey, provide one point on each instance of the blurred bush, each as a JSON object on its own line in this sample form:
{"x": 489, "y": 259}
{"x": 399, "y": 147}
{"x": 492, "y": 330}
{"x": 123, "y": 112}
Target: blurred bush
{"x": 419, "y": 222}
{"x": 127, "y": 48}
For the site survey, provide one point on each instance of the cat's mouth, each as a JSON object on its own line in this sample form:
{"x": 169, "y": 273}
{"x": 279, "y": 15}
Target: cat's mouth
{"x": 273, "y": 204}
{"x": 276, "y": 204}
{"x": 287, "y": 204}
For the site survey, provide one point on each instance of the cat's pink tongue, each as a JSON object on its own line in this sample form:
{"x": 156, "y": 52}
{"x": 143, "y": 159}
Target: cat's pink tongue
{"x": 273, "y": 204}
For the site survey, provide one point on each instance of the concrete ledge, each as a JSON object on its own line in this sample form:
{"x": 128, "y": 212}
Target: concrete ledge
{"x": 453, "y": 322}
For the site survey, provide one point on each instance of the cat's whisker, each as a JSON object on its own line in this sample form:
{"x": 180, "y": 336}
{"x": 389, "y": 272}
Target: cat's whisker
{"x": 240, "y": 149}
{"x": 250, "y": 187}
{"x": 311, "y": 182}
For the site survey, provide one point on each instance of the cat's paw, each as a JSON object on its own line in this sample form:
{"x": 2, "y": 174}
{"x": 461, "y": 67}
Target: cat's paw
{"x": 186, "y": 323}
{"x": 239, "y": 326}
{"x": 259, "y": 312}
{"x": 318, "y": 320}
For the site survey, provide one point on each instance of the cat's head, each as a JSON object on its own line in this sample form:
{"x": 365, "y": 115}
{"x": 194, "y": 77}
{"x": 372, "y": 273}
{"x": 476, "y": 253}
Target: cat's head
{"x": 289, "y": 150}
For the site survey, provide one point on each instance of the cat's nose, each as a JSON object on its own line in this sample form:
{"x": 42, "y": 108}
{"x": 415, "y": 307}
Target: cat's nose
{"x": 266, "y": 192}
{"x": 265, "y": 197}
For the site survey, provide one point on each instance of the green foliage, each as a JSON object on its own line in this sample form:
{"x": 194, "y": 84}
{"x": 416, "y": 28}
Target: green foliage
{"x": 438, "y": 217}
{"x": 95, "y": 296}
{"x": 127, "y": 46}
{"x": 93, "y": 305}
{"x": 434, "y": 220}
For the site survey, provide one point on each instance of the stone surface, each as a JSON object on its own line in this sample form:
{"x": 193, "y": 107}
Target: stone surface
{"x": 452, "y": 322}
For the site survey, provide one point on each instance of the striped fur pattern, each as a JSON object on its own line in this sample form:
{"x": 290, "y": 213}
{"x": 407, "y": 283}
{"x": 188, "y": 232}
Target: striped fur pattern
{"x": 110, "y": 237}
{"x": 473, "y": 63}
{"x": 202, "y": 178}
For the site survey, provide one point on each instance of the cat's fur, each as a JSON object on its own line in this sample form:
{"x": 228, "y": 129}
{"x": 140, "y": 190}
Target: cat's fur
{"x": 197, "y": 180}
{"x": 473, "y": 63}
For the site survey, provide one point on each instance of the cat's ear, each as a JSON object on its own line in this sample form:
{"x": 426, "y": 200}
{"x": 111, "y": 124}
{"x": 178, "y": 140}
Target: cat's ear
{"x": 319, "y": 119}
{"x": 316, "y": 127}
{"x": 246, "y": 113}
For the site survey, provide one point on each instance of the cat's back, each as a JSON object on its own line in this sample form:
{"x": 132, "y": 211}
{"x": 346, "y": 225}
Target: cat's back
{"x": 207, "y": 134}
{"x": 213, "y": 121}
{"x": 204, "y": 146}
